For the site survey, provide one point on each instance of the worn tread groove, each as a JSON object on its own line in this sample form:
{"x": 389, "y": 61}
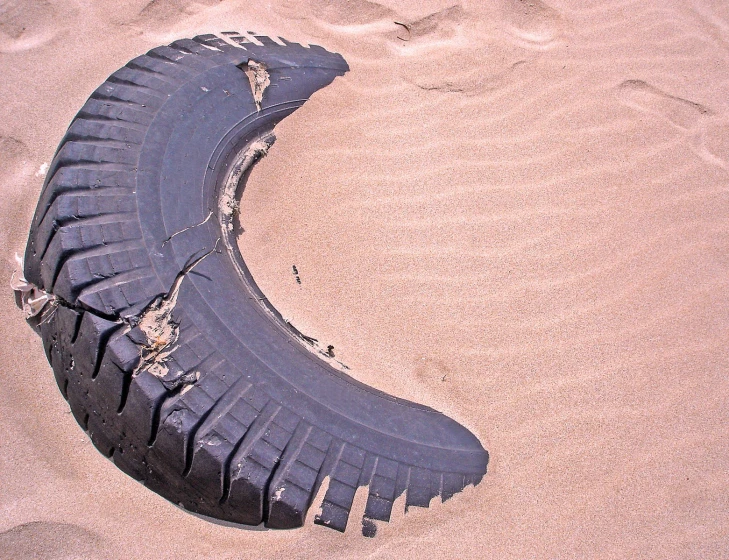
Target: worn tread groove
{"x": 87, "y": 139}
{"x": 76, "y": 328}
{"x": 99, "y": 219}
{"x": 111, "y": 98}
{"x": 85, "y": 116}
{"x": 139, "y": 68}
{"x": 122, "y": 81}
{"x": 244, "y": 445}
{"x": 139, "y": 273}
{"x": 156, "y": 414}
{"x": 212, "y": 416}
{"x": 102, "y": 345}
{"x": 126, "y": 385}
{"x": 59, "y": 191}
{"x": 90, "y": 165}
{"x": 93, "y": 251}
{"x": 272, "y": 475}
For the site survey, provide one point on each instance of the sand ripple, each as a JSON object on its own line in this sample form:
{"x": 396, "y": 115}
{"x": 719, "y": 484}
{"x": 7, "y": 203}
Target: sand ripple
{"x": 516, "y": 212}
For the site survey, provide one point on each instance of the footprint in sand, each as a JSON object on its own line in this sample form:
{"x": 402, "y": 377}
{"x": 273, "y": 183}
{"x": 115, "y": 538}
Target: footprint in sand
{"x": 701, "y": 127}
{"x": 350, "y": 12}
{"x": 436, "y": 27}
{"x": 434, "y": 49}
{"x": 11, "y": 148}
{"x": 440, "y": 53}
{"x": 26, "y": 24}
{"x": 17, "y": 165}
{"x": 532, "y": 24}
{"x": 439, "y": 27}
{"x": 45, "y": 539}
{"x": 170, "y": 11}
{"x": 682, "y": 113}
{"x": 714, "y": 142}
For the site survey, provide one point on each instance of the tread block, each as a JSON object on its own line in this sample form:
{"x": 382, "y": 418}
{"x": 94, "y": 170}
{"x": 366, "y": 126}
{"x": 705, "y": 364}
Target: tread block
{"x": 68, "y": 273}
{"x": 211, "y": 383}
{"x": 214, "y": 440}
{"x": 110, "y": 385}
{"x": 147, "y": 80}
{"x": 172, "y": 438}
{"x": 291, "y": 489}
{"x": 452, "y": 484}
{"x": 116, "y": 111}
{"x": 146, "y": 394}
{"x": 72, "y": 207}
{"x": 91, "y": 179}
{"x": 59, "y": 327}
{"x": 378, "y": 508}
{"x": 163, "y": 69}
{"x": 345, "y": 478}
{"x": 210, "y": 457}
{"x": 181, "y": 417}
{"x": 101, "y": 435}
{"x": 213, "y": 41}
{"x": 423, "y": 486}
{"x": 140, "y": 98}
{"x": 90, "y": 130}
{"x": 346, "y": 473}
{"x": 176, "y": 56}
{"x": 77, "y": 402}
{"x": 129, "y": 463}
{"x": 117, "y": 293}
{"x": 85, "y": 233}
{"x": 195, "y": 47}
{"x": 241, "y": 40}
{"x": 288, "y": 506}
{"x": 382, "y": 490}
{"x": 336, "y": 505}
{"x": 90, "y": 344}
{"x": 86, "y": 177}
{"x": 251, "y": 467}
{"x": 266, "y": 41}
{"x": 93, "y": 151}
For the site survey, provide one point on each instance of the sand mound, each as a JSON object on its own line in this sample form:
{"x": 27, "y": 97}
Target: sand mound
{"x": 514, "y": 212}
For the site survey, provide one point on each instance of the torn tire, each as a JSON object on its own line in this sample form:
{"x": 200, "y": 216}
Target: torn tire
{"x": 169, "y": 355}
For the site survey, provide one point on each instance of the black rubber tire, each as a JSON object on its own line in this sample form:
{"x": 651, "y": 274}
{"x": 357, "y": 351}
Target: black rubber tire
{"x": 243, "y": 422}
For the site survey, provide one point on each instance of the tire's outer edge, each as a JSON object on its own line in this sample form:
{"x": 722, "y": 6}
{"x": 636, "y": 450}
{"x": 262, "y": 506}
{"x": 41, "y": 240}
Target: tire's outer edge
{"x": 222, "y": 409}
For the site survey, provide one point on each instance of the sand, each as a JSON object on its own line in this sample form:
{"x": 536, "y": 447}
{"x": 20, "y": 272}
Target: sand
{"x": 514, "y": 212}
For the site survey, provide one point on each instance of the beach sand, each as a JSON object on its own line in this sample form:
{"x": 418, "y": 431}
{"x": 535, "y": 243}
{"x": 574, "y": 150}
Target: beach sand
{"x": 514, "y": 212}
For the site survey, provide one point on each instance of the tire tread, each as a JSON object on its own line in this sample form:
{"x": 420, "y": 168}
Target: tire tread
{"x": 220, "y": 444}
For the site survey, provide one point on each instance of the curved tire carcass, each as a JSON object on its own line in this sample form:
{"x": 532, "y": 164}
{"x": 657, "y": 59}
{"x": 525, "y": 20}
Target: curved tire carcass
{"x": 166, "y": 350}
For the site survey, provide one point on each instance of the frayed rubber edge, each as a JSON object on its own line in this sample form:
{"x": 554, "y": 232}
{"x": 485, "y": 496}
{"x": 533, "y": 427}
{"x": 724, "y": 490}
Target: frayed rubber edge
{"x": 259, "y": 79}
{"x": 228, "y": 204}
{"x": 32, "y": 299}
{"x": 161, "y": 332}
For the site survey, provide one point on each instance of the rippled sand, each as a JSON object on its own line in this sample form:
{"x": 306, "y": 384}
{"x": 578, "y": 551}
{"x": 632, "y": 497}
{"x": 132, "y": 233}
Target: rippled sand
{"x": 516, "y": 213}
